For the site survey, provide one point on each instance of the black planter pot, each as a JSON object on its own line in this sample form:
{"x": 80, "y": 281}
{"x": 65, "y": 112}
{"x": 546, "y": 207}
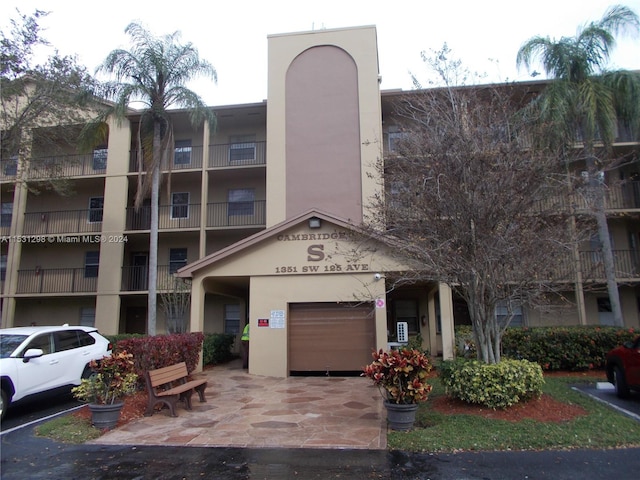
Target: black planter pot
{"x": 400, "y": 416}
{"x": 105, "y": 416}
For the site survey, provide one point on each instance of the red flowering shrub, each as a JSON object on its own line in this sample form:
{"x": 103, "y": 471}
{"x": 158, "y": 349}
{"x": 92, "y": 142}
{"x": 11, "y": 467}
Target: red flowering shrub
{"x": 401, "y": 375}
{"x": 150, "y": 353}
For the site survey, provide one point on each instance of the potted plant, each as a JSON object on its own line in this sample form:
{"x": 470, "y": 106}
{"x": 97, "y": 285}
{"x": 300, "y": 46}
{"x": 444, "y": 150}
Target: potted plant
{"x": 113, "y": 378}
{"x": 401, "y": 376}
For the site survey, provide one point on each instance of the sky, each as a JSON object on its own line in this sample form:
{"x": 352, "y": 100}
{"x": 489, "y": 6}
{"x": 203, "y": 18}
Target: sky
{"x": 232, "y": 36}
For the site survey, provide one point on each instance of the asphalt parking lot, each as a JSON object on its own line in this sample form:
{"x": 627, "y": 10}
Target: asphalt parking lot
{"x": 604, "y": 392}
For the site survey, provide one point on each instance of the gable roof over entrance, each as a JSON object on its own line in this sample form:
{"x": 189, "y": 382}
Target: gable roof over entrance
{"x": 243, "y": 245}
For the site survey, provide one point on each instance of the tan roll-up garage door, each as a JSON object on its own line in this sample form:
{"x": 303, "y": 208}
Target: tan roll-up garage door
{"x": 330, "y": 337}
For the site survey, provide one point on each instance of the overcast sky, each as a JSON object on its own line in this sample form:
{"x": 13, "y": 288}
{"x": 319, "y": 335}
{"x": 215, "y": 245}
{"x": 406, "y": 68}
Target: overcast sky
{"x": 232, "y": 36}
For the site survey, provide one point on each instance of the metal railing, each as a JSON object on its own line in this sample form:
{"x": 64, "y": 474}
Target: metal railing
{"x": 57, "y": 280}
{"x": 626, "y": 263}
{"x": 136, "y": 278}
{"x": 237, "y": 154}
{"x": 623, "y": 196}
{"x": 63, "y": 221}
{"x": 169, "y": 217}
{"x": 63, "y": 166}
{"x": 184, "y": 158}
{"x": 236, "y": 214}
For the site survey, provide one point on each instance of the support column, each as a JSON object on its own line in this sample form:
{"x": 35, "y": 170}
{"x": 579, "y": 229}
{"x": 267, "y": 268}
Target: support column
{"x": 446, "y": 321}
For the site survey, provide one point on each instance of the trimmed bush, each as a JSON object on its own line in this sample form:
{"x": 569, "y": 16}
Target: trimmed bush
{"x": 160, "y": 351}
{"x": 564, "y": 348}
{"x": 498, "y": 385}
{"x": 217, "y": 348}
{"x": 553, "y": 348}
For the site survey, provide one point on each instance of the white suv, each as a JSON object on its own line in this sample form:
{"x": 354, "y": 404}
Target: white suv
{"x": 37, "y": 359}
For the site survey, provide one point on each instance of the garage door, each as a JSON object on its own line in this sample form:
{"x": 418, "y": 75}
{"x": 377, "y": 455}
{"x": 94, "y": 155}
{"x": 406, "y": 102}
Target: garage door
{"x": 329, "y": 337}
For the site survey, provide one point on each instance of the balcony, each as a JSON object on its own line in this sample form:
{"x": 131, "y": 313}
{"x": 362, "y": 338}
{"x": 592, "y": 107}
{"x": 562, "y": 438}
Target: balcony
{"x": 236, "y": 214}
{"x": 136, "y": 278}
{"x": 184, "y": 158}
{"x": 63, "y": 222}
{"x": 65, "y": 166}
{"x": 624, "y": 196}
{"x": 626, "y": 262}
{"x": 170, "y": 217}
{"x": 57, "y": 280}
{"x": 237, "y": 155}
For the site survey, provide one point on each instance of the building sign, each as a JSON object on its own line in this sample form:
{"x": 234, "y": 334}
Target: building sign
{"x": 317, "y": 252}
{"x": 263, "y": 322}
{"x": 277, "y": 319}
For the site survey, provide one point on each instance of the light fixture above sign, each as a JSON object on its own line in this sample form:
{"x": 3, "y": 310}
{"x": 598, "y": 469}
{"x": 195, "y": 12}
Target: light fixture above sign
{"x": 314, "y": 222}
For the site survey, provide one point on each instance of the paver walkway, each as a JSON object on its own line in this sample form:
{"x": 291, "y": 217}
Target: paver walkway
{"x": 245, "y": 410}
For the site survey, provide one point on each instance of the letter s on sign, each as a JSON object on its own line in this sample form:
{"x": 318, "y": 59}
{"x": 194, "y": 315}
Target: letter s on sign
{"x": 315, "y": 253}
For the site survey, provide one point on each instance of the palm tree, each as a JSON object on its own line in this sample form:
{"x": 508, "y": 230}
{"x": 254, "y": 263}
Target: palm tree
{"x": 154, "y": 72}
{"x": 584, "y": 103}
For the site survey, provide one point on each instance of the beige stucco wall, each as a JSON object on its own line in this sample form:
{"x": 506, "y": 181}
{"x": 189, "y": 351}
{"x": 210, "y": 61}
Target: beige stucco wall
{"x": 361, "y": 45}
{"x": 297, "y": 265}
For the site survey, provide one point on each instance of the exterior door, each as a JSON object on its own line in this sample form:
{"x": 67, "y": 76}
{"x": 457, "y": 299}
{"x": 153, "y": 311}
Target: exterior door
{"x": 139, "y": 271}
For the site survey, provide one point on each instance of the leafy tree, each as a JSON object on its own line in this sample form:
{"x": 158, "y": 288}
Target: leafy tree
{"x": 154, "y": 71}
{"x": 469, "y": 201}
{"x": 584, "y": 103}
{"x": 38, "y": 95}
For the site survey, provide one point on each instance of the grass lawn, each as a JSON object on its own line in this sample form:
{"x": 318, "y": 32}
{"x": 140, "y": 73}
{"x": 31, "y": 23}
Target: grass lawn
{"x": 602, "y": 427}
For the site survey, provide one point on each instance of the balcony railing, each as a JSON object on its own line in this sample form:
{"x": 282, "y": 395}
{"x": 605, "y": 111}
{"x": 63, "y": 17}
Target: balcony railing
{"x": 626, "y": 263}
{"x": 624, "y": 196}
{"x": 170, "y": 217}
{"x": 63, "y": 221}
{"x": 236, "y": 214}
{"x": 63, "y": 166}
{"x": 237, "y": 154}
{"x": 56, "y": 280}
{"x": 183, "y": 158}
{"x": 136, "y": 278}
{"x": 57, "y": 166}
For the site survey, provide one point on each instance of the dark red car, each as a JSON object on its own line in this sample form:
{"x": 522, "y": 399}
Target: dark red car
{"x": 623, "y": 367}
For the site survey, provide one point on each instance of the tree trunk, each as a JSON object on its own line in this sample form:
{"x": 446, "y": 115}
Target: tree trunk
{"x": 596, "y": 195}
{"x": 609, "y": 263}
{"x": 153, "y": 233}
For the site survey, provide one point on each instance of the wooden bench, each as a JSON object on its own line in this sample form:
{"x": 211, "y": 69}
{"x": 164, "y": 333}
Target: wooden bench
{"x": 169, "y": 384}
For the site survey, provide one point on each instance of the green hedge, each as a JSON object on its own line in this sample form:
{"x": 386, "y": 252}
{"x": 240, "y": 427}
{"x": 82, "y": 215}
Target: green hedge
{"x": 217, "y": 348}
{"x": 554, "y": 348}
{"x": 498, "y": 385}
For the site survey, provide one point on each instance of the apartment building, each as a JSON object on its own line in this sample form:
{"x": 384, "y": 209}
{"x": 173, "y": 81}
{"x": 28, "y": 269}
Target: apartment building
{"x": 256, "y": 216}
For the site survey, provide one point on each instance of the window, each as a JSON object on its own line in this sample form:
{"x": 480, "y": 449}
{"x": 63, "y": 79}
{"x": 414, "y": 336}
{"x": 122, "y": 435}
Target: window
{"x": 395, "y": 135}
{"x": 242, "y": 148}
{"x": 96, "y": 205}
{"x": 241, "y": 201}
{"x": 182, "y": 152}
{"x": 232, "y": 319}
{"x": 180, "y": 205}
{"x": 43, "y": 342}
{"x": 88, "y": 318}
{"x": 6, "y": 214}
{"x": 177, "y": 259}
{"x": 11, "y": 166}
{"x": 407, "y": 311}
{"x": 3, "y": 267}
{"x": 100, "y": 158}
{"x": 91, "y": 261}
{"x": 503, "y": 312}
{"x": 66, "y": 340}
